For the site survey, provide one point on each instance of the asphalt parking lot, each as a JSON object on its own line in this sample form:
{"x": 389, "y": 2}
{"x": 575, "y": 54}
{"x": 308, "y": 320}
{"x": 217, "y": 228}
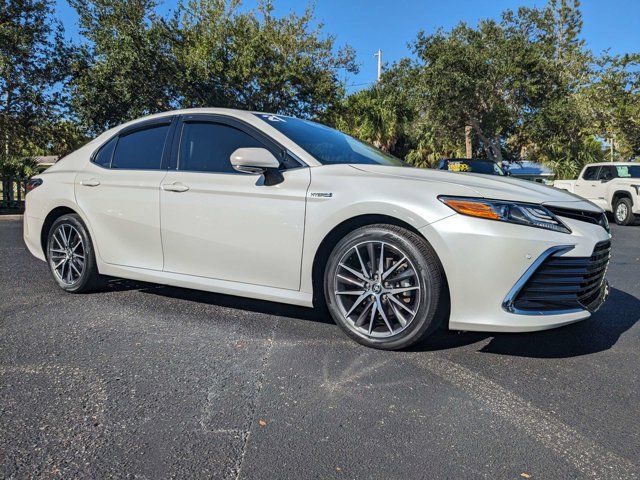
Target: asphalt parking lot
{"x": 152, "y": 382}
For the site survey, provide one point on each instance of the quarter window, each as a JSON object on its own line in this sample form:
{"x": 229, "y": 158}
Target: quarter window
{"x": 141, "y": 149}
{"x": 103, "y": 157}
{"x": 206, "y": 147}
{"x": 590, "y": 173}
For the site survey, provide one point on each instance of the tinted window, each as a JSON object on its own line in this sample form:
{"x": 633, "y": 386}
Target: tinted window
{"x": 474, "y": 166}
{"x": 142, "y": 149}
{"x": 103, "y": 157}
{"x": 206, "y": 147}
{"x": 327, "y": 145}
{"x": 607, "y": 173}
{"x": 590, "y": 173}
{"x": 628, "y": 171}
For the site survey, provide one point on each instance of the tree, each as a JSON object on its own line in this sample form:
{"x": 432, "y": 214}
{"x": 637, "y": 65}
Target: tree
{"x": 32, "y": 63}
{"x": 379, "y": 115}
{"x": 256, "y": 61}
{"x": 125, "y": 68}
{"x": 613, "y": 103}
{"x": 519, "y": 88}
{"x": 490, "y": 78}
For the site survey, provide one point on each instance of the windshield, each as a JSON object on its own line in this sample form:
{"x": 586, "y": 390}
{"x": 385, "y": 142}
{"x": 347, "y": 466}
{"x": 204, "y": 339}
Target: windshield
{"x": 327, "y": 145}
{"x": 474, "y": 166}
{"x": 628, "y": 171}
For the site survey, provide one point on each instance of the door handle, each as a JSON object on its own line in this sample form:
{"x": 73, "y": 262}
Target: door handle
{"x": 92, "y": 182}
{"x": 175, "y": 187}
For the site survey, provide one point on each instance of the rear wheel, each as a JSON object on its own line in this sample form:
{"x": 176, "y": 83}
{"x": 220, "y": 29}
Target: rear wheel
{"x": 622, "y": 212}
{"x": 70, "y": 255}
{"x": 384, "y": 286}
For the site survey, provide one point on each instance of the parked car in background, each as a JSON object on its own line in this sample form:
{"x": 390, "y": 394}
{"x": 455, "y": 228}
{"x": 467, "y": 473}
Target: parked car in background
{"x": 283, "y": 209}
{"x": 613, "y": 186}
{"x": 471, "y": 165}
{"x": 532, "y": 171}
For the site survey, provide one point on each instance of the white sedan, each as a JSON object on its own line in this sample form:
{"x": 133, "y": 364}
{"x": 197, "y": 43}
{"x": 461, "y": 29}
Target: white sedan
{"x": 287, "y": 210}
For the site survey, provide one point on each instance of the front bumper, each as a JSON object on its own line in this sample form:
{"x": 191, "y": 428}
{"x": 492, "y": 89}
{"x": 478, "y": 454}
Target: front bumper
{"x": 484, "y": 261}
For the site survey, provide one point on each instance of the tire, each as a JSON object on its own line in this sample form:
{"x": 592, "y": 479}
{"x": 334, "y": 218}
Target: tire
{"x": 73, "y": 271}
{"x": 411, "y": 293}
{"x": 622, "y": 213}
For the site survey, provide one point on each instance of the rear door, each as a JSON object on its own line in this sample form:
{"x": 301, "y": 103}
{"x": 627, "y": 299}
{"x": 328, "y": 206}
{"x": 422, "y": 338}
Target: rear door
{"x": 223, "y": 224}
{"x": 119, "y": 192}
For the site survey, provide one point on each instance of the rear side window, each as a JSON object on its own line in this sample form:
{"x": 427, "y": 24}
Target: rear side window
{"x": 206, "y": 147}
{"x": 141, "y": 150}
{"x": 103, "y": 157}
{"x": 590, "y": 173}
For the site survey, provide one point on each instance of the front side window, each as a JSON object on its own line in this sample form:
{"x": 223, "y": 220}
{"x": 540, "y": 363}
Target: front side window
{"x": 103, "y": 157}
{"x": 326, "y": 145}
{"x": 590, "y": 173}
{"x": 207, "y": 147}
{"x": 607, "y": 173}
{"x": 141, "y": 149}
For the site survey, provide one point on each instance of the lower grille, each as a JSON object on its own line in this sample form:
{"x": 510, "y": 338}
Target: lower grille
{"x": 566, "y": 283}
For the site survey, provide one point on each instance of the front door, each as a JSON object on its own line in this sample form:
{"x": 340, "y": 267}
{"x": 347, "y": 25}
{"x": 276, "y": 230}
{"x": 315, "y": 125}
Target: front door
{"x": 222, "y": 224}
{"x": 599, "y": 192}
{"x": 119, "y": 193}
{"x": 587, "y": 186}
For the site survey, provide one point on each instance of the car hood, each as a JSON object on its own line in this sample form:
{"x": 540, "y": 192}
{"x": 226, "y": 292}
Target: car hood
{"x": 489, "y": 186}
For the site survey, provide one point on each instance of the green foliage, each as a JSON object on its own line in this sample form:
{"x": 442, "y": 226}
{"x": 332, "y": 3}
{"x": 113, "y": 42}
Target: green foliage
{"x": 32, "y": 65}
{"x": 379, "y": 115}
{"x": 257, "y": 61}
{"x": 526, "y": 85}
{"x": 209, "y": 54}
{"x": 125, "y": 69}
{"x": 612, "y": 101}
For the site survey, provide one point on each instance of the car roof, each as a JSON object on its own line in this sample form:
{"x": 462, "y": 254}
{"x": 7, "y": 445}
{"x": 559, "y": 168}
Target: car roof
{"x": 467, "y": 160}
{"x": 188, "y": 111}
{"x": 604, "y": 164}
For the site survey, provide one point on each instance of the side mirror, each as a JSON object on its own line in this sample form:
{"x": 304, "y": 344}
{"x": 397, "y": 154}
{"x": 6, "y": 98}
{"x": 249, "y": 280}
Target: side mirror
{"x": 253, "y": 160}
{"x": 258, "y": 161}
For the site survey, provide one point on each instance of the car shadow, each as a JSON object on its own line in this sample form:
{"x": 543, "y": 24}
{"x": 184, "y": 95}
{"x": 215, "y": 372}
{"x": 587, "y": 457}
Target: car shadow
{"x": 598, "y": 333}
{"x": 229, "y": 301}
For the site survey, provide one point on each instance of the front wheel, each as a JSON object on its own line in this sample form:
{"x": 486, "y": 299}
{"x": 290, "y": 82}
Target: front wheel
{"x": 71, "y": 256}
{"x": 385, "y": 287}
{"x": 623, "y": 213}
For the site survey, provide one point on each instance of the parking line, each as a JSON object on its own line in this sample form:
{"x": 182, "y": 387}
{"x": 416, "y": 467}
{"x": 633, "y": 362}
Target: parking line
{"x": 593, "y": 460}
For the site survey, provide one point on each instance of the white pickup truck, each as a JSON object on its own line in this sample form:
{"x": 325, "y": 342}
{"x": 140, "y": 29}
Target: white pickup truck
{"x": 613, "y": 186}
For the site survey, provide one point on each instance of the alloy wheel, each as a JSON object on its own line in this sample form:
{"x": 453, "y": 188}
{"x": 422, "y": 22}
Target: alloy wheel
{"x": 621, "y": 212}
{"x": 67, "y": 254}
{"x": 377, "y": 289}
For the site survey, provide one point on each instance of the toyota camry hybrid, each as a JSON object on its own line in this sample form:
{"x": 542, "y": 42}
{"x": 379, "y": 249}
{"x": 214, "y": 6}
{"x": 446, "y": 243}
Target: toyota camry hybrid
{"x": 287, "y": 210}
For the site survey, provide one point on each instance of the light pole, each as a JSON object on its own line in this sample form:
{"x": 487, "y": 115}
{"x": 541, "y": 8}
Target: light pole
{"x": 379, "y": 55}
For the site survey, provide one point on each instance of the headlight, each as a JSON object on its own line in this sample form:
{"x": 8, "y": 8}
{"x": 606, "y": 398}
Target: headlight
{"x": 504, "y": 211}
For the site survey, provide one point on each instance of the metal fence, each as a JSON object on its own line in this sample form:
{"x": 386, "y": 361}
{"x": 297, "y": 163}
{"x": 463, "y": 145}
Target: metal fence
{"x": 13, "y": 190}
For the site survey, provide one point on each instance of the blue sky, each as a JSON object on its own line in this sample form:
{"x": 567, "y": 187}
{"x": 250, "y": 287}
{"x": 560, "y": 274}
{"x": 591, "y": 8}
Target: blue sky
{"x": 389, "y": 25}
